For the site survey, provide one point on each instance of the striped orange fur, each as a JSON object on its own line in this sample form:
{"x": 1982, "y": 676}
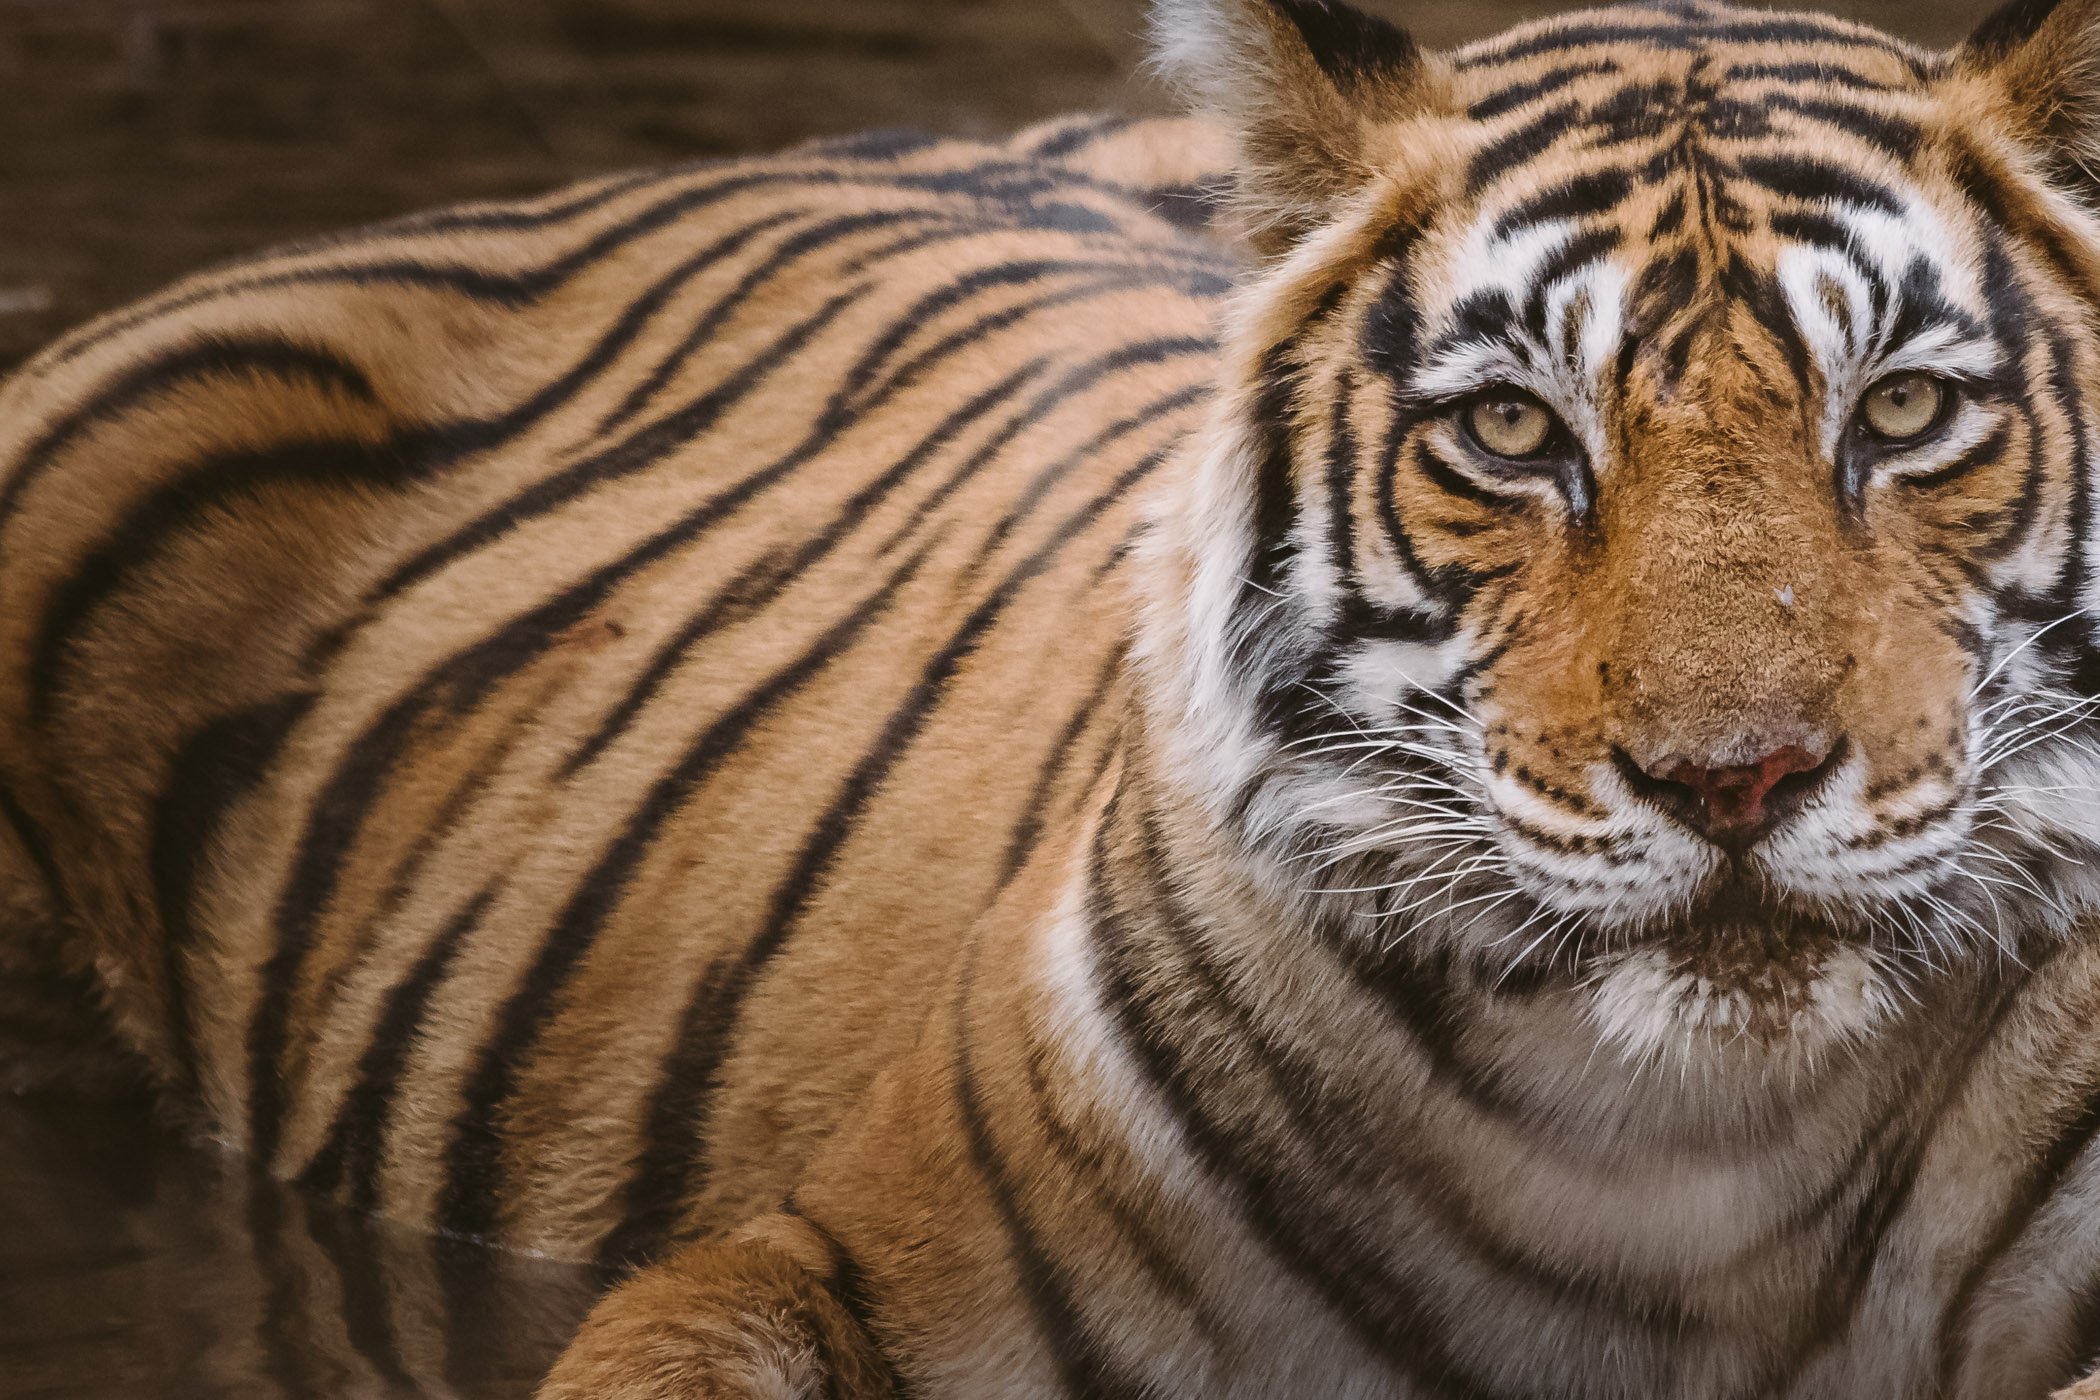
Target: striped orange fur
{"x": 1429, "y": 735}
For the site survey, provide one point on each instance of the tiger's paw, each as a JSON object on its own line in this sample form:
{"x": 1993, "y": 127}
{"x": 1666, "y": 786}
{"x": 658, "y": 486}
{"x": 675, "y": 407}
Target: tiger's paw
{"x": 733, "y": 1321}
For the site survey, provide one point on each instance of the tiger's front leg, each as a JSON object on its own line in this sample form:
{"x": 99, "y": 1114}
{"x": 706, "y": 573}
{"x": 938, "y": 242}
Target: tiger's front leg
{"x": 750, "y": 1318}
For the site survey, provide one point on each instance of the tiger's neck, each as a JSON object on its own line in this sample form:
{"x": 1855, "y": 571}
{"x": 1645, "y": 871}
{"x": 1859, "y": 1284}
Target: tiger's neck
{"x": 1384, "y": 1103}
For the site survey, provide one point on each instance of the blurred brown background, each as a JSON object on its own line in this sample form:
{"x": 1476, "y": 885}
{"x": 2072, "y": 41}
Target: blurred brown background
{"x": 142, "y": 138}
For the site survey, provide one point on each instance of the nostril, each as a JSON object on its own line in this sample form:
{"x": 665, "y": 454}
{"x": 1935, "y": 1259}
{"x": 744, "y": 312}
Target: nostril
{"x": 1735, "y": 804}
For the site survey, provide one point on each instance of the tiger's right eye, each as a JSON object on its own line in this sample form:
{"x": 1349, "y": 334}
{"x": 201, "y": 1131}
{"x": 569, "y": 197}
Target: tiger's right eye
{"x": 1904, "y": 407}
{"x": 1511, "y": 425}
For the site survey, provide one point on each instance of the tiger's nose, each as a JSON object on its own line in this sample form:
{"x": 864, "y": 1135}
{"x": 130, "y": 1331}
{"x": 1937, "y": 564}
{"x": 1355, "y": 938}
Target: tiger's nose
{"x": 1739, "y": 804}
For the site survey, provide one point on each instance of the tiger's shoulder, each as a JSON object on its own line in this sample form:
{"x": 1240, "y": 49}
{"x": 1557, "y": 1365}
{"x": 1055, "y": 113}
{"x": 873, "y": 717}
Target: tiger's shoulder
{"x": 242, "y": 512}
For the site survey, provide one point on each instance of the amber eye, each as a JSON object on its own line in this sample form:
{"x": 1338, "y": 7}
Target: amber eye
{"x": 1511, "y": 425}
{"x": 1904, "y": 406}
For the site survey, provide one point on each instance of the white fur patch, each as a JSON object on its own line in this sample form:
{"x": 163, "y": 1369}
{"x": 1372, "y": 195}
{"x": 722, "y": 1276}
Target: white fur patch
{"x": 1653, "y": 1012}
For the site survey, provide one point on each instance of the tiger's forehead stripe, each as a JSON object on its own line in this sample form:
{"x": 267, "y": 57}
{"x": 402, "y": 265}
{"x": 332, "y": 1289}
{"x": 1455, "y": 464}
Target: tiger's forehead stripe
{"x": 1686, "y": 27}
{"x": 1692, "y": 155}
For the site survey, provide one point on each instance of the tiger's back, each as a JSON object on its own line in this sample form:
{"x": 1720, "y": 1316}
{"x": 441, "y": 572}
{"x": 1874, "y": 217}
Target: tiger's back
{"x": 519, "y": 705}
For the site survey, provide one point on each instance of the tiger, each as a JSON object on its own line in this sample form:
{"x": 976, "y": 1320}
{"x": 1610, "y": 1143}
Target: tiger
{"x": 1426, "y": 733}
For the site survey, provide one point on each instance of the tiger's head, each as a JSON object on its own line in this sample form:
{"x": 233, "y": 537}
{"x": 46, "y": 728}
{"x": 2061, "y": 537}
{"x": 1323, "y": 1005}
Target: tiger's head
{"x": 1648, "y": 537}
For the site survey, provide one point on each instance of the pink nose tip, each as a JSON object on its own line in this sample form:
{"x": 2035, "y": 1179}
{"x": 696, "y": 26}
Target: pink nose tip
{"x": 1733, "y": 803}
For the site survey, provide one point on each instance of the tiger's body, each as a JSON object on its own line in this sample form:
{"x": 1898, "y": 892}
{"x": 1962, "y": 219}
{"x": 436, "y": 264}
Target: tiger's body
{"x": 665, "y": 393}
{"x": 838, "y": 724}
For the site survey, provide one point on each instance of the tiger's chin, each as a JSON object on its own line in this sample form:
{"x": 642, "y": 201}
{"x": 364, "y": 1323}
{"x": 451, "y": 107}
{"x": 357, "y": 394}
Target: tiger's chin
{"x": 1743, "y": 974}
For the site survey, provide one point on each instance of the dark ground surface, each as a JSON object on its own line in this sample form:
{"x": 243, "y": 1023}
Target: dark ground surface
{"x": 143, "y": 138}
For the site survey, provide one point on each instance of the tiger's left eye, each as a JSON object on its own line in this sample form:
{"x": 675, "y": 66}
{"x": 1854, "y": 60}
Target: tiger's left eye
{"x": 1904, "y": 407}
{"x": 1511, "y": 424}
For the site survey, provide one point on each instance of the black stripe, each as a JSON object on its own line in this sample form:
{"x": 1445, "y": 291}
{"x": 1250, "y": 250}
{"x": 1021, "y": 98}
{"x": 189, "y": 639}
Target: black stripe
{"x": 208, "y": 358}
{"x": 1389, "y": 338}
{"x": 473, "y": 1162}
{"x": 222, "y": 482}
{"x": 437, "y": 827}
{"x": 849, "y": 1285}
{"x": 1079, "y": 136}
{"x": 2070, "y": 394}
{"x": 861, "y": 389}
{"x": 1521, "y": 145}
{"x": 665, "y": 1177}
{"x": 217, "y": 766}
{"x": 282, "y": 1334}
{"x": 1807, "y": 178}
{"x": 34, "y": 843}
{"x": 757, "y": 584}
{"x": 351, "y": 1154}
{"x": 1806, "y": 29}
{"x": 1985, "y": 452}
{"x": 1043, "y": 216}
{"x": 410, "y": 456}
{"x": 1597, "y": 192}
{"x": 1085, "y": 1370}
{"x": 2045, "y": 1176}
{"x": 497, "y": 217}
{"x": 1844, "y": 1285}
{"x": 1275, "y": 486}
{"x": 338, "y": 811}
{"x": 1341, "y": 468}
{"x": 1453, "y": 482}
{"x": 1028, "y": 826}
{"x": 993, "y": 183}
{"x": 1074, "y": 382}
{"x": 1810, "y": 226}
{"x": 1575, "y": 36}
{"x": 1897, "y": 137}
{"x": 1802, "y": 73}
{"x": 1095, "y": 449}
{"x": 1544, "y": 85}
{"x": 817, "y": 238}
{"x": 2027, "y": 500}
{"x": 353, "y": 1251}
{"x": 1386, "y": 1311}
{"x": 1113, "y": 1186}
{"x": 646, "y": 448}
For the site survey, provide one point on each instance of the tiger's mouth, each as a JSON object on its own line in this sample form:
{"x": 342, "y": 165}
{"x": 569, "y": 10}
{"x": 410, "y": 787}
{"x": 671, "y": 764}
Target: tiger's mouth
{"x": 1736, "y": 924}
{"x": 1744, "y": 966}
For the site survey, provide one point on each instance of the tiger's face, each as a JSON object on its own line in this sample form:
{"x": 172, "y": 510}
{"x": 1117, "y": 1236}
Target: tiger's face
{"x": 1664, "y": 473}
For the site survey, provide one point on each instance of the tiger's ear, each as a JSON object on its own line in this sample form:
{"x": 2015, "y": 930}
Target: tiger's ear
{"x": 2043, "y": 57}
{"x": 1301, "y": 84}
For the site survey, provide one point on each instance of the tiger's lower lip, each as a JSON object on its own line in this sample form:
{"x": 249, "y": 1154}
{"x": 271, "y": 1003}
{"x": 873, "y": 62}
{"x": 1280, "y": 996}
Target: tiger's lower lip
{"x": 1737, "y": 909}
